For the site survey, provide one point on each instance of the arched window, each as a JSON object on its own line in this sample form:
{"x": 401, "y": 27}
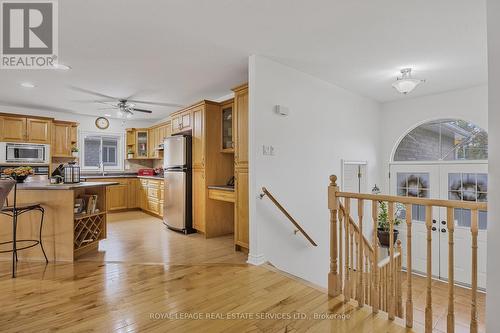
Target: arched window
{"x": 443, "y": 140}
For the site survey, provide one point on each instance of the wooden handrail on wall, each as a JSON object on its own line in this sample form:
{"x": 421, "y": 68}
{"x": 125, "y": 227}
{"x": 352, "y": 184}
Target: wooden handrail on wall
{"x": 356, "y": 273}
{"x": 290, "y": 218}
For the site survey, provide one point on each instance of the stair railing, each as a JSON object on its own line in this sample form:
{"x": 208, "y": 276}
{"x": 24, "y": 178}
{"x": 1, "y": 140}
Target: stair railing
{"x": 357, "y": 274}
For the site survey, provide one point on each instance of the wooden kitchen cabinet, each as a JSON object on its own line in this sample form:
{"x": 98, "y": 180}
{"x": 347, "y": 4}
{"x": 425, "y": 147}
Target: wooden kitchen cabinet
{"x": 181, "y": 121}
{"x": 227, "y": 142}
{"x": 241, "y": 231}
{"x": 13, "y": 129}
{"x": 240, "y": 126}
{"x": 142, "y": 143}
{"x": 117, "y": 196}
{"x": 132, "y": 193}
{"x": 199, "y": 199}
{"x": 198, "y": 140}
{"x": 38, "y": 130}
{"x": 64, "y": 137}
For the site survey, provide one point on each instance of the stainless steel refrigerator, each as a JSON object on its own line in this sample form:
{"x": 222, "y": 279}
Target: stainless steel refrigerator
{"x": 177, "y": 206}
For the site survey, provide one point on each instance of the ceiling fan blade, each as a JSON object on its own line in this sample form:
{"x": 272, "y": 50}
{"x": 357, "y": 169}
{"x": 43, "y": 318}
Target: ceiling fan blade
{"x": 95, "y": 93}
{"x": 141, "y": 110}
{"x": 173, "y": 105}
{"x": 107, "y": 108}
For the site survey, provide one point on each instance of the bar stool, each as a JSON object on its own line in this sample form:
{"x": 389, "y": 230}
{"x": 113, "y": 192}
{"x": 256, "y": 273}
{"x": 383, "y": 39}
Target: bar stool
{"x": 14, "y": 212}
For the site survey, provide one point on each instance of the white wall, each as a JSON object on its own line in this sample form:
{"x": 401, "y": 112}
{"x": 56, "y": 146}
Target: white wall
{"x": 400, "y": 116}
{"x": 493, "y": 281}
{"x": 326, "y": 124}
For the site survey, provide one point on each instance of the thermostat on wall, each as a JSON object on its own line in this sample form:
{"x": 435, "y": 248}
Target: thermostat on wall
{"x": 281, "y": 110}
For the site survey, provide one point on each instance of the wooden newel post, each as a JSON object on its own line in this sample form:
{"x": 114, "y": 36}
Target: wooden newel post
{"x": 333, "y": 206}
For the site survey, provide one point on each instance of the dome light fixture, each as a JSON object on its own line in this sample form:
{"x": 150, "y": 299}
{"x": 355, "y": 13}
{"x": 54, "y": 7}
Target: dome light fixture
{"x": 405, "y": 83}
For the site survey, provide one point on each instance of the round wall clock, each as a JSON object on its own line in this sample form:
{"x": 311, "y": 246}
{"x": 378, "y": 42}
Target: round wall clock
{"x": 102, "y": 123}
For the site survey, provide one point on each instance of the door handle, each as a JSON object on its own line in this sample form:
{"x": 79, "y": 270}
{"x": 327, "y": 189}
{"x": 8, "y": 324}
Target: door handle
{"x": 443, "y": 222}
{"x": 434, "y": 229}
{"x": 434, "y": 221}
{"x": 443, "y": 230}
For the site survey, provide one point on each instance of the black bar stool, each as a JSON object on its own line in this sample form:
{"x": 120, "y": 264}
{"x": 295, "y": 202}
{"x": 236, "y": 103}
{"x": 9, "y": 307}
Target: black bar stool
{"x": 15, "y": 211}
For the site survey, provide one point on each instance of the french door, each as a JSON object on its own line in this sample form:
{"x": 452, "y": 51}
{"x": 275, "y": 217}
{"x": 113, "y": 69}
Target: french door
{"x": 466, "y": 182}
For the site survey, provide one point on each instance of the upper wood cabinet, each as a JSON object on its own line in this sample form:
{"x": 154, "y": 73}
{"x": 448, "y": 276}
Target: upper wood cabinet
{"x": 38, "y": 130}
{"x": 18, "y": 128}
{"x": 144, "y": 142}
{"x": 198, "y": 138}
{"x": 64, "y": 138}
{"x": 240, "y": 126}
{"x": 181, "y": 121}
{"x": 14, "y": 129}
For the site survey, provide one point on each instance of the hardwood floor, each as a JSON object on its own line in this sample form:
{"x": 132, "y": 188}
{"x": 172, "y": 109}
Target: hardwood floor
{"x": 148, "y": 279}
{"x": 136, "y": 237}
{"x": 122, "y": 297}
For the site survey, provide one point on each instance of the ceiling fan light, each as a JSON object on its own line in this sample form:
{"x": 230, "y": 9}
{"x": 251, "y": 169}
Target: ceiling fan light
{"x": 119, "y": 113}
{"x": 129, "y": 115}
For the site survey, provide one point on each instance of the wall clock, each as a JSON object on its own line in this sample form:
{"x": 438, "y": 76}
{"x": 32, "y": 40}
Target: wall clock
{"x": 102, "y": 123}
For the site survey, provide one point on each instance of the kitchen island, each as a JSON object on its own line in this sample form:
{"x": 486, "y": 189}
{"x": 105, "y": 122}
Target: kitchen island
{"x": 65, "y": 235}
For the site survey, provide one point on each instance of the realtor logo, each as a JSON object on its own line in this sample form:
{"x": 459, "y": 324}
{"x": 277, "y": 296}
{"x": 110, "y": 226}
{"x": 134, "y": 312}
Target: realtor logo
{"x": 29, "y": 34}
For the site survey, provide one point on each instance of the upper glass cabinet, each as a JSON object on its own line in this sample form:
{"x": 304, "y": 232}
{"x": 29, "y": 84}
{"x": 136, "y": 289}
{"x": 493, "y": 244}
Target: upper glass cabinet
{"x": 227, "y": 129}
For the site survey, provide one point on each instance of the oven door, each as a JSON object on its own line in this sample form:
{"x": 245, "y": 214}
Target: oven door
{"x": 25, "y": 153}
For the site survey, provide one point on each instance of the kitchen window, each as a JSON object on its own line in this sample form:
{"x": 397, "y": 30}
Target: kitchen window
{"x": 98, "y": 150}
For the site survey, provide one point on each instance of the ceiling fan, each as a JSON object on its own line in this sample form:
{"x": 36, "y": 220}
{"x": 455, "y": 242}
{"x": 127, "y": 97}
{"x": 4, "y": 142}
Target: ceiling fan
{"x": 125, "y": 107}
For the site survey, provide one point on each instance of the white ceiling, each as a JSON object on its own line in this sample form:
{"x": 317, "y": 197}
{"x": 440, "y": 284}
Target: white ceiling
{"x": 186, "y": 50}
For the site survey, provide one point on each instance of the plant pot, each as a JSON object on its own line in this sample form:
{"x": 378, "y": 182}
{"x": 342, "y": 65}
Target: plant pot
{"x": 383, "y": 237}
{"x": 75, "y": 154}
{"x": 129, "y": 156}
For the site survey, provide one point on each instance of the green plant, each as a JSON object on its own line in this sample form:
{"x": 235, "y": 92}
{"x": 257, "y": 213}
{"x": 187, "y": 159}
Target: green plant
{"x": 74, "y": 150}
{"x": 130, "y": 151}
{"x": 383, "y": 215}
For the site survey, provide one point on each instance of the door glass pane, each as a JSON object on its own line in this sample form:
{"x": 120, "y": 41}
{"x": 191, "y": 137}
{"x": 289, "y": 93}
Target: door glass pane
{"x": 468, "y": 187}
{"x": 414, "y": 185}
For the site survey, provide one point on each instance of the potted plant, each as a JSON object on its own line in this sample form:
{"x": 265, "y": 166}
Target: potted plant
{"x": 19, "y": 174}
{"x": 383, "y": 223}
{"x": 74, "y": 151}
{"x": 130, "y": 153}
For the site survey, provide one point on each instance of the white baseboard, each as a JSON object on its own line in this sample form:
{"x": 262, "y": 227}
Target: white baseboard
{"x": 256, "y": 259}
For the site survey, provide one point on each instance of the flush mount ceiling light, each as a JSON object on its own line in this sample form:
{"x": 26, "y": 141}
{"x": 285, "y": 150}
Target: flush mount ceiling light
{"x": 62, "y": 67}
{"x": 406, "y": 83}
{"x": 28, "y": 85}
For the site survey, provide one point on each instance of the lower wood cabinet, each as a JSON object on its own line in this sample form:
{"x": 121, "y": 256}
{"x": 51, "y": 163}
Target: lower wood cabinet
{"x": 117, "y": 197}
{"x": 241, "y": 232}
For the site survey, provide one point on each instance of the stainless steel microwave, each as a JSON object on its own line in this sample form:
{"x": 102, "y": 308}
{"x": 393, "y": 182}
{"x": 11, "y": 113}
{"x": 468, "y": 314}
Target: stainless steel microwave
{"x": 28, "y": 153}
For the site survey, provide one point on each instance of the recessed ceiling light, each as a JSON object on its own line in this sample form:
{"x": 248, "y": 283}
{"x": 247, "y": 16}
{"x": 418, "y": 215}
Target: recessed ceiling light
{"x": 27, "y": 85}
{"x": 62, "y": 67}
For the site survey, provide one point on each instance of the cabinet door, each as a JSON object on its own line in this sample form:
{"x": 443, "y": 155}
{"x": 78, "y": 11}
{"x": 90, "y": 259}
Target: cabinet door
{"x": 74, "y": 134}
{"x": 176, "y": 124}
{"x": 14, "y": 129}
{"x": 130, "y": 137}
{"x": 241, "y": 128}
{"x": 61, "y": 143}
{"x": 152, "y": 142}
{"x": 38, "y": 130}
{"x": 117, "y": 197}
{"x": 132, "y": 193}
{"x": 199, "y": 198}
{"x": 198, "y": 139}
{"x": 142, "y": 144}
{"x": 241, "y": 233}
{"x": 186, "y": 120}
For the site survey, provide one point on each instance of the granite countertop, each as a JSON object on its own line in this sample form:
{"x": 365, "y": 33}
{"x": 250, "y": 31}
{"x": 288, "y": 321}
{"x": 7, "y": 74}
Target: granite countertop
{"x": 134, "y": 175}
{"x": 222, "y": 187}
{"x": 46, "y": 185}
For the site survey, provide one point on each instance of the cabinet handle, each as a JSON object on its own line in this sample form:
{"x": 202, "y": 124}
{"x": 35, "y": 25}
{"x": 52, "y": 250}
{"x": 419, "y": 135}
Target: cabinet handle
{"x": 434, "y": 229}
{"x": 443, "y": 230}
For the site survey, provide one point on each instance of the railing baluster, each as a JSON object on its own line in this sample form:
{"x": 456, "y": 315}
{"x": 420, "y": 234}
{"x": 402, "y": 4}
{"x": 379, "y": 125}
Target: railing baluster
{"x": 409, "y": 300}
{"x": 451, "y": 271}
{"x": 360, "y": 289}
{"x": 390, "y": 212}
{"x": 399, "y": 299}
{"x": 474, "y": 232}
{"x": 347, "y": 284}
{"x": 352, "y": 276}
{"x": 428, "y": 306}
{"x": 333, "y": 277}
{"x": 341, "y": 252}
{"x": 374, "y": 272}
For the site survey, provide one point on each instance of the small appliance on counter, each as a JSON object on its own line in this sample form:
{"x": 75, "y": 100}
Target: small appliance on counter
{"x": 69, "y": 173}
{"x": 146, "y": 172}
